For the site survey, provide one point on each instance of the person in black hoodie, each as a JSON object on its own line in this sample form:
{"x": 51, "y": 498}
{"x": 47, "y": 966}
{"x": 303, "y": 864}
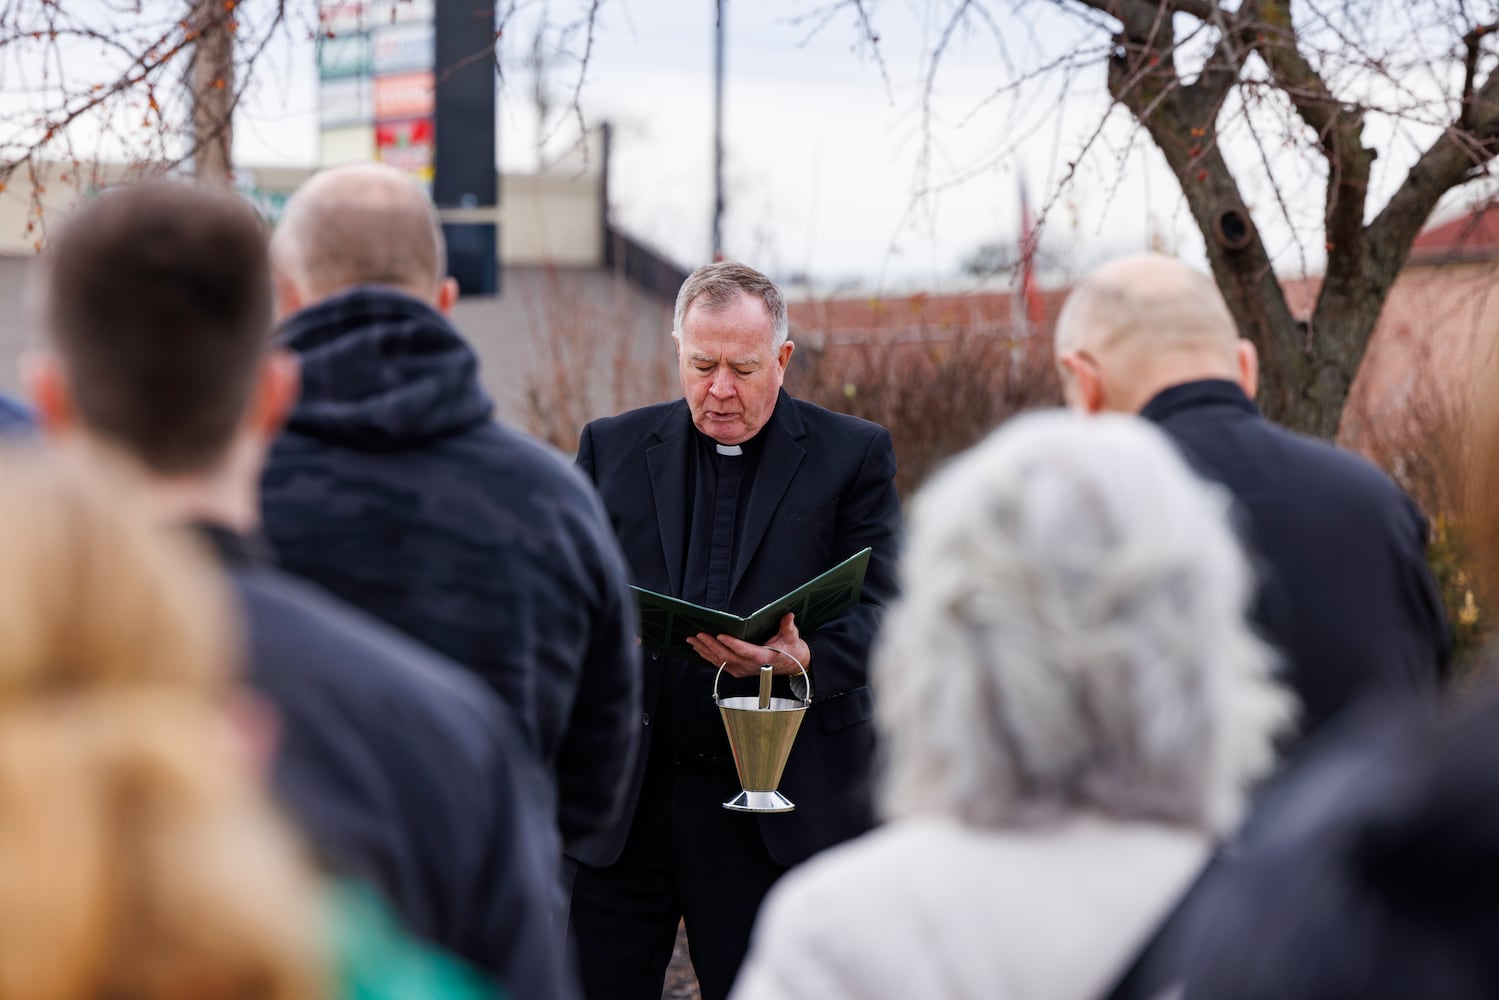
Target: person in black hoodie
{"x": 394, "y": 488}
{"x": 401, "y": 771}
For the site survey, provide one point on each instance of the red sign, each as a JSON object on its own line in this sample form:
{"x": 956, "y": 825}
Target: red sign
{"x": 405, "y": 95}
{"x": 406, "y": 145}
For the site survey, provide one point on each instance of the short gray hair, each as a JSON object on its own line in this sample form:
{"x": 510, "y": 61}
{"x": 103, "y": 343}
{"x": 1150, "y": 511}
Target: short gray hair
{"x": 360, "y": 224}
{"x": 1072, "y": 636}
{"x": 715, "y": 286}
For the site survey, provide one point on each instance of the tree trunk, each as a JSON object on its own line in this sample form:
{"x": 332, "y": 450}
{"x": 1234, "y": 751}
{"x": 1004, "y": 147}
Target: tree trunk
{"x": 212, "y": 87}
{"x": 1307, "y": 367}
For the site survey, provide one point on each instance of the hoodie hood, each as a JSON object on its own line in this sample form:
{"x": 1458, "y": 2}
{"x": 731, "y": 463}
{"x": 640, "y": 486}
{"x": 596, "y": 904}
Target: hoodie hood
{"x": 381, "y": 369}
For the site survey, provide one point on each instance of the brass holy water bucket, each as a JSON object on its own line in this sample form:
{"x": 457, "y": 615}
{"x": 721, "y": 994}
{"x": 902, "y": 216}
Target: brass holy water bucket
{"x": 761, "y": 731}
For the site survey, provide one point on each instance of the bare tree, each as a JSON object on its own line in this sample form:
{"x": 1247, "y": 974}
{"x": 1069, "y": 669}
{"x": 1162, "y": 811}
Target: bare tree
{"x": 1227, "y": 90}
{"x": 155, "y": 85}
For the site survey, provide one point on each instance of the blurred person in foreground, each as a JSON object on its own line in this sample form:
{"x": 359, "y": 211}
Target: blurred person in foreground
{"x": 731, "y": 497}
{"x": 1345, "y": 594}
{"x": 1072, "y": 705}
{"x": 139, "y": 854}
{"x": 155, "y": 305}
{"x": 1374, "y": 876}
{"x": 394, "y": 487}
{"x": 1368, "y": 872}
{"x": 14, "y": 417}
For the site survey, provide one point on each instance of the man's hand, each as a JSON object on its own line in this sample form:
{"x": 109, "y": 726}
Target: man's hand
{"x": 743, "y": 659}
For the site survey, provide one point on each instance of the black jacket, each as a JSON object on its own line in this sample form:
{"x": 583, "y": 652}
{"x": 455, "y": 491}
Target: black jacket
{"x": 393, "y": 488}
{"x": 824, "y": 489}
{"x": 1345, "y": 592}
{"x": 404, "y": 773}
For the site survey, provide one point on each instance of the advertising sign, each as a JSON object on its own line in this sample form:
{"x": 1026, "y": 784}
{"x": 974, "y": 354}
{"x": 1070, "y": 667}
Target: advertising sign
{"x": 401, "y": 48}
{"x": 346, "y": 101}
{"x": 343, "y": 55}
{"x": 351, "y": 144}
{"x": 402, "y": 11}
{"x": 406, "y": 146}
{"x": 342, "y": 17}
{"x": 406, "y": 95}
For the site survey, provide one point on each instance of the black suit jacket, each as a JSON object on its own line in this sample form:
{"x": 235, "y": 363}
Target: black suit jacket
{"x": 824, "y": 489}
{"x": 1345, "y": 592}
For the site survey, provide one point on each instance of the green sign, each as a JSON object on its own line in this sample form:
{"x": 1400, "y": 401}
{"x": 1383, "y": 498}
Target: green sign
{"x": 343, "y": 55}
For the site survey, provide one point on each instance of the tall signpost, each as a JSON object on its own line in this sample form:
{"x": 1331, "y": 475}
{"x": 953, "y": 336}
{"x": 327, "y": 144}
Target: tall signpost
{"x": 466, "y": 185}
{"x": 411, "y": 83}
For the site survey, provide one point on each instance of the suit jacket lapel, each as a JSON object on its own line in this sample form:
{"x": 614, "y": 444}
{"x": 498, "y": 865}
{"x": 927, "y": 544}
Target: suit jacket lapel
{"x": 667, "y": 462}
{"x": 779, "y": 461}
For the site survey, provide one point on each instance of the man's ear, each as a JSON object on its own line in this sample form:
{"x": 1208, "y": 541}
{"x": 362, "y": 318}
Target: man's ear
{"x": 278, "y": 383}
{"x": 783, "y": 356}
{"x": 51, "y": 396}
{"x": 288, "y": 297}
{"x": 447, "y": 296}
{"x": 1249, "y": 368}
{"x": 1082, "y": 384}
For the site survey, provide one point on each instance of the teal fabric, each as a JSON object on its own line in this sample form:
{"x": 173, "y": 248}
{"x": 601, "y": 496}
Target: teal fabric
{"x": 377, "y": 960}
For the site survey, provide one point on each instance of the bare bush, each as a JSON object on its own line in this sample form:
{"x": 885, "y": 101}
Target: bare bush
{"x": 936, "y": 395}
{"x": 1428, "y": 448}
{"x": 588, "y": 363}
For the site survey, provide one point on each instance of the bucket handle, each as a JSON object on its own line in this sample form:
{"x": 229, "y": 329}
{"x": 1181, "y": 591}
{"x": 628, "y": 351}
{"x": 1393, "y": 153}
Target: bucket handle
{"x": 805, "y": 676}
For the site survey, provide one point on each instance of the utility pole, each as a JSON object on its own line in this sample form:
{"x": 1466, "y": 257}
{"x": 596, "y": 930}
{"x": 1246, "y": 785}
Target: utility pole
{"x": 211, "y": 80}
{"x": 718, "y": 32}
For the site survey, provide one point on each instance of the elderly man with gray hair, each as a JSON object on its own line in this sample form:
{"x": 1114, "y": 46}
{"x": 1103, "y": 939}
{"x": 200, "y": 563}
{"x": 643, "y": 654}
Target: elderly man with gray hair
{"x": 1345, "y": 594}
{"x": 729, "y": 498}
{"x": 1072, "y": 705}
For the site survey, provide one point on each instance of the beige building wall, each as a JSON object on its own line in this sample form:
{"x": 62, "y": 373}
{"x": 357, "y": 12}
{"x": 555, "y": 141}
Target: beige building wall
{"x": 554, "y": 218}
{"x": 564, "y": 342}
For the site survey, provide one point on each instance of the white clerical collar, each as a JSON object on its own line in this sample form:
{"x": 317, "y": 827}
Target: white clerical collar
{"x": 728, "y": 449}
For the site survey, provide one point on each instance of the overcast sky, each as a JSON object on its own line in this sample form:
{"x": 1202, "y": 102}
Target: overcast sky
{"x": 849, "y": 174}
{"x": 833, "y": 167}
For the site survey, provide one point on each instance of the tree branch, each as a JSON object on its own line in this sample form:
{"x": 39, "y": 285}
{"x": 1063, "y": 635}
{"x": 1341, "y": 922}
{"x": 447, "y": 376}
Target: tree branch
{"x": 1470, "y": 142}
{"x": 1182, "y": 122}
{"x": 1340, "y": 137}
{"x": 1470, "y": 68}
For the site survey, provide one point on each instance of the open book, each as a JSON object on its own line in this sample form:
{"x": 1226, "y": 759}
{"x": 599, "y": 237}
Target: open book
{"x": 666, "y": 622}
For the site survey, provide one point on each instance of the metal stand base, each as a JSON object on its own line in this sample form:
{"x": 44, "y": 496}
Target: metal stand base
{"x": 760, "y": 802}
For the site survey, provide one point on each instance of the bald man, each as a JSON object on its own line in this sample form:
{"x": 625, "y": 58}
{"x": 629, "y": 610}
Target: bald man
{"x": 394, "y": 488}
{"x": 1345, "y": 592}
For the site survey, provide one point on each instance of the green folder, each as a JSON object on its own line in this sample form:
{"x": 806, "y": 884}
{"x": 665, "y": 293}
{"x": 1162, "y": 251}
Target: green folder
{"x": 666, "y": 622}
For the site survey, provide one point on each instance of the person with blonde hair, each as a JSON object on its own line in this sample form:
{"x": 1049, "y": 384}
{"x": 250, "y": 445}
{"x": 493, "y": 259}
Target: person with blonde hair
{"x": 140, "y": 853}
{"x": 1071, "y": 705}
{"x": 139, "y": 856}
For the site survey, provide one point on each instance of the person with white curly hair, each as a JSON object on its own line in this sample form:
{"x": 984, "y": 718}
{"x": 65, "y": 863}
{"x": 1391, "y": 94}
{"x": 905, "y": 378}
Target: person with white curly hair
{"x": 1072, "y": 707}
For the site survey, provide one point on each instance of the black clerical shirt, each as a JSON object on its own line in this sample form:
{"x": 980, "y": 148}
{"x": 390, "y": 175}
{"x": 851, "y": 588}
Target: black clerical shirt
{"x": 686, "y": 721}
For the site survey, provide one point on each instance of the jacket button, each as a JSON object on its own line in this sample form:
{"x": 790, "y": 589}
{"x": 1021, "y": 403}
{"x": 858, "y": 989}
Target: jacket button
{"x": 645, "y": 718}
{"x": 656, "y": 656}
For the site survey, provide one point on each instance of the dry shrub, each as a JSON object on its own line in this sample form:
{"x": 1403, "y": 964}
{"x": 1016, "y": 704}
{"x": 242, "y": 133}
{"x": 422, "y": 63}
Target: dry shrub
{"x": 1429, "y": 450}
{"x": 590, "y": 362}
{"x": 937, "y": 395}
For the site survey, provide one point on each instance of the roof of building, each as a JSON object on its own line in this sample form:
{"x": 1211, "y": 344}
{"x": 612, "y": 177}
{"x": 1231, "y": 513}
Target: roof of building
{"x": 1474, "y": 235}
{"x": 919, "y": 314}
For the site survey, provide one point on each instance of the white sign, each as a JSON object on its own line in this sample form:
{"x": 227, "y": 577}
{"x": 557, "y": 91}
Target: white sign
{"x": 348, "y": 101}
{"x": 403, "y": 47}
